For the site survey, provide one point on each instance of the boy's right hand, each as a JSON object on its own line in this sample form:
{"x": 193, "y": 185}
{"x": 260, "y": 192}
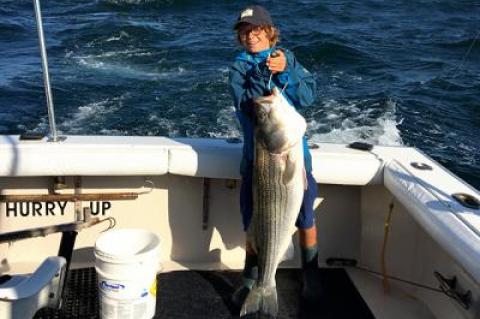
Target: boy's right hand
{"x": 277, "y": 62}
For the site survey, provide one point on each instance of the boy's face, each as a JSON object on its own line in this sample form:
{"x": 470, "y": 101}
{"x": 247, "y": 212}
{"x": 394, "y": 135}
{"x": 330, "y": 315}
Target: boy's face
{"x": 253, "y": 39}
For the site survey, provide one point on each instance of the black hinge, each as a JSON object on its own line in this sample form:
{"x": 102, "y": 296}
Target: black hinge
{"x": 448, "y": 287}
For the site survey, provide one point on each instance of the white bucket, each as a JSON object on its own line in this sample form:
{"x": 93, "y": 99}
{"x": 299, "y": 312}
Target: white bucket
{"x": 126, "y": 261}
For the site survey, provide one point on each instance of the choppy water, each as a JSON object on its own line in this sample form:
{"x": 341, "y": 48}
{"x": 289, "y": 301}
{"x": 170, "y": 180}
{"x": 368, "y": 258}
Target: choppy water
{"x": 388, "y": 72}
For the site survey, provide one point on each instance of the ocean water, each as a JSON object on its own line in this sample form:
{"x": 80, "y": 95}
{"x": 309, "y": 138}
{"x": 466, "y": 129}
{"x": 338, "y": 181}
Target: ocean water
{"x": 388, "y": 72}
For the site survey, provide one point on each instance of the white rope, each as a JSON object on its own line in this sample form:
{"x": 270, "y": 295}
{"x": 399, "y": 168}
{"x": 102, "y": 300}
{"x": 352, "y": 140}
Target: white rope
{"x": 270, "y": 81}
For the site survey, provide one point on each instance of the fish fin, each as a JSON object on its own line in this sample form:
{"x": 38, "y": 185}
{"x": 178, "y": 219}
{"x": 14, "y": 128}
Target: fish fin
{"x": 261, "y": 300}
{"x": 251, "y": 236}
{"x": 289, "y": 171}
{"x": 289, "y": 253}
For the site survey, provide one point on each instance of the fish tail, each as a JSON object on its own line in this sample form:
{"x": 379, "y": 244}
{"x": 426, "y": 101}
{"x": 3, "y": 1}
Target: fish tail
{"x": 261, "y": 300}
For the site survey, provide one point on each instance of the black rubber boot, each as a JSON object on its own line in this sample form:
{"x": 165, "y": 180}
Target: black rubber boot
{"x": 249, "y": 276}
{"x": 312, "y": 292}
{"x": 239, "y": 296}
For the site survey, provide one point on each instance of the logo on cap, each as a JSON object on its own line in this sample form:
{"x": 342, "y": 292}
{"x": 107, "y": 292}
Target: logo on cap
{"x": 246, "y": 13}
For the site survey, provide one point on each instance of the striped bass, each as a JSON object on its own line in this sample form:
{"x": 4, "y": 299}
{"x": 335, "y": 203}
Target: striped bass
{"x": 278, "y": 186}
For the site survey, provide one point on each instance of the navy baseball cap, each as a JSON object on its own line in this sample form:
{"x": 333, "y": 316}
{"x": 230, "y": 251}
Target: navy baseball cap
{"x": 255, "y": 15}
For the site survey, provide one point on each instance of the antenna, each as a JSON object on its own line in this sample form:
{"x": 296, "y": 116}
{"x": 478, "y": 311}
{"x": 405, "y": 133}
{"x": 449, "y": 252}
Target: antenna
{"x": 46, "y": 78}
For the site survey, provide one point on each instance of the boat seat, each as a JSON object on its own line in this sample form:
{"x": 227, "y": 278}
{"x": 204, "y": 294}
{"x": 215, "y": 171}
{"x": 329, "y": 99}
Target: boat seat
{"x": 22, "y": 295}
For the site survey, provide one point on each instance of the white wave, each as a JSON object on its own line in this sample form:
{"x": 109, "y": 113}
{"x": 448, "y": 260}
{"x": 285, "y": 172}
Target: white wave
{"x": 164, "y": 123}
{"x": 90, "y": 63}
{"x": 122, "y": 35}
{"x": 227, "y": 124}
{"x": 153, "y": 24}
{"x": 42, "y": 126}
{"x": 383, "y": 131}
{"x": 68, "y": 53}
{"x": 332, "y": 116}
{"x": 391, "y": 134}
{"x": 109, "y": 54}
{"x": 113, "y": 132}
{"x": 85, "y": 114}
{"x": 129, "y": 71}
{"x": 346, "y": 76}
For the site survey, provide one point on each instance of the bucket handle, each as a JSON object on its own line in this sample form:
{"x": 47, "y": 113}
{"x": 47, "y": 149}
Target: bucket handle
{"x": 111, "y": 224}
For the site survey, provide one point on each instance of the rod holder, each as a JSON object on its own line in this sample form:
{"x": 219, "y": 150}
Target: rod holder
{"x": 467, "y": 200}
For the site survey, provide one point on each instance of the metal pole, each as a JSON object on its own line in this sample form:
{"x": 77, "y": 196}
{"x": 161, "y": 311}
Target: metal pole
{"x": 46, "y": 78}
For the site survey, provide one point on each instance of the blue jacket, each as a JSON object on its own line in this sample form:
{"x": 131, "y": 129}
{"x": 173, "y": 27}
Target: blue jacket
{"x": 248, "y": 78}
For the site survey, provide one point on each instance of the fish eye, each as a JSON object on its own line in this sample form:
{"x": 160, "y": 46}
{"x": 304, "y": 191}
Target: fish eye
{"x": 261, "y": 115}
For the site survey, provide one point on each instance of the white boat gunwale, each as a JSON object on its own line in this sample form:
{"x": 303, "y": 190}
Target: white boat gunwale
{"x": 334, "y": 164}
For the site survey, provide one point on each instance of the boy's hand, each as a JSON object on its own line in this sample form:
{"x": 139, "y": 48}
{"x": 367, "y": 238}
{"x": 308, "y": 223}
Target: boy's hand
{"x": 277, "y": 62}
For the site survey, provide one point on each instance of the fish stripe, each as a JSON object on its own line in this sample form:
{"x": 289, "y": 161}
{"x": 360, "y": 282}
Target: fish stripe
{"x": 271, "y": 222}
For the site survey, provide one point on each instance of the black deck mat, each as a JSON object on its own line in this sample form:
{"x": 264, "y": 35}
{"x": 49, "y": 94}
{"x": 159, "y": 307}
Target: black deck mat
{"x": 205, "y": 294}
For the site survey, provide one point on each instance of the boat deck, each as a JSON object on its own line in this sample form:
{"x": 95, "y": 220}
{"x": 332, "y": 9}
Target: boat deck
{"x": 205, "y": 294}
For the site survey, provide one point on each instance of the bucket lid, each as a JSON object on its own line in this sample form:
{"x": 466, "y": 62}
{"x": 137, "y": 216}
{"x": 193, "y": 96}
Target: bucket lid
{"x": 126, "y": 244}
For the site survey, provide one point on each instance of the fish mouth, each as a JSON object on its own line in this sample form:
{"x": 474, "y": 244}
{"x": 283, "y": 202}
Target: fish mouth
{"x": 264, "y": 99}
{"x": 264, "y": 102}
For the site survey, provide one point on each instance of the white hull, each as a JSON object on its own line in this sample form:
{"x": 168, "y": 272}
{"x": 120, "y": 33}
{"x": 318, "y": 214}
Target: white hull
{"x": 429, "y": 230}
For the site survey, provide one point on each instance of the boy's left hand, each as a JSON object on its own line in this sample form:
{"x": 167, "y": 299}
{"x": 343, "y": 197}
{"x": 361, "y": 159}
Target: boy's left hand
{"x": 277, "y": 62}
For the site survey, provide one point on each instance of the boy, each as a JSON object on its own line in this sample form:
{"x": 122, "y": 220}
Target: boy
{"x": 254, "y": 73}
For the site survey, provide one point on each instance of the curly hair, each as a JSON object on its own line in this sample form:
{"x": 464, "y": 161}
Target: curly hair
{"x": 273, "y": 34}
